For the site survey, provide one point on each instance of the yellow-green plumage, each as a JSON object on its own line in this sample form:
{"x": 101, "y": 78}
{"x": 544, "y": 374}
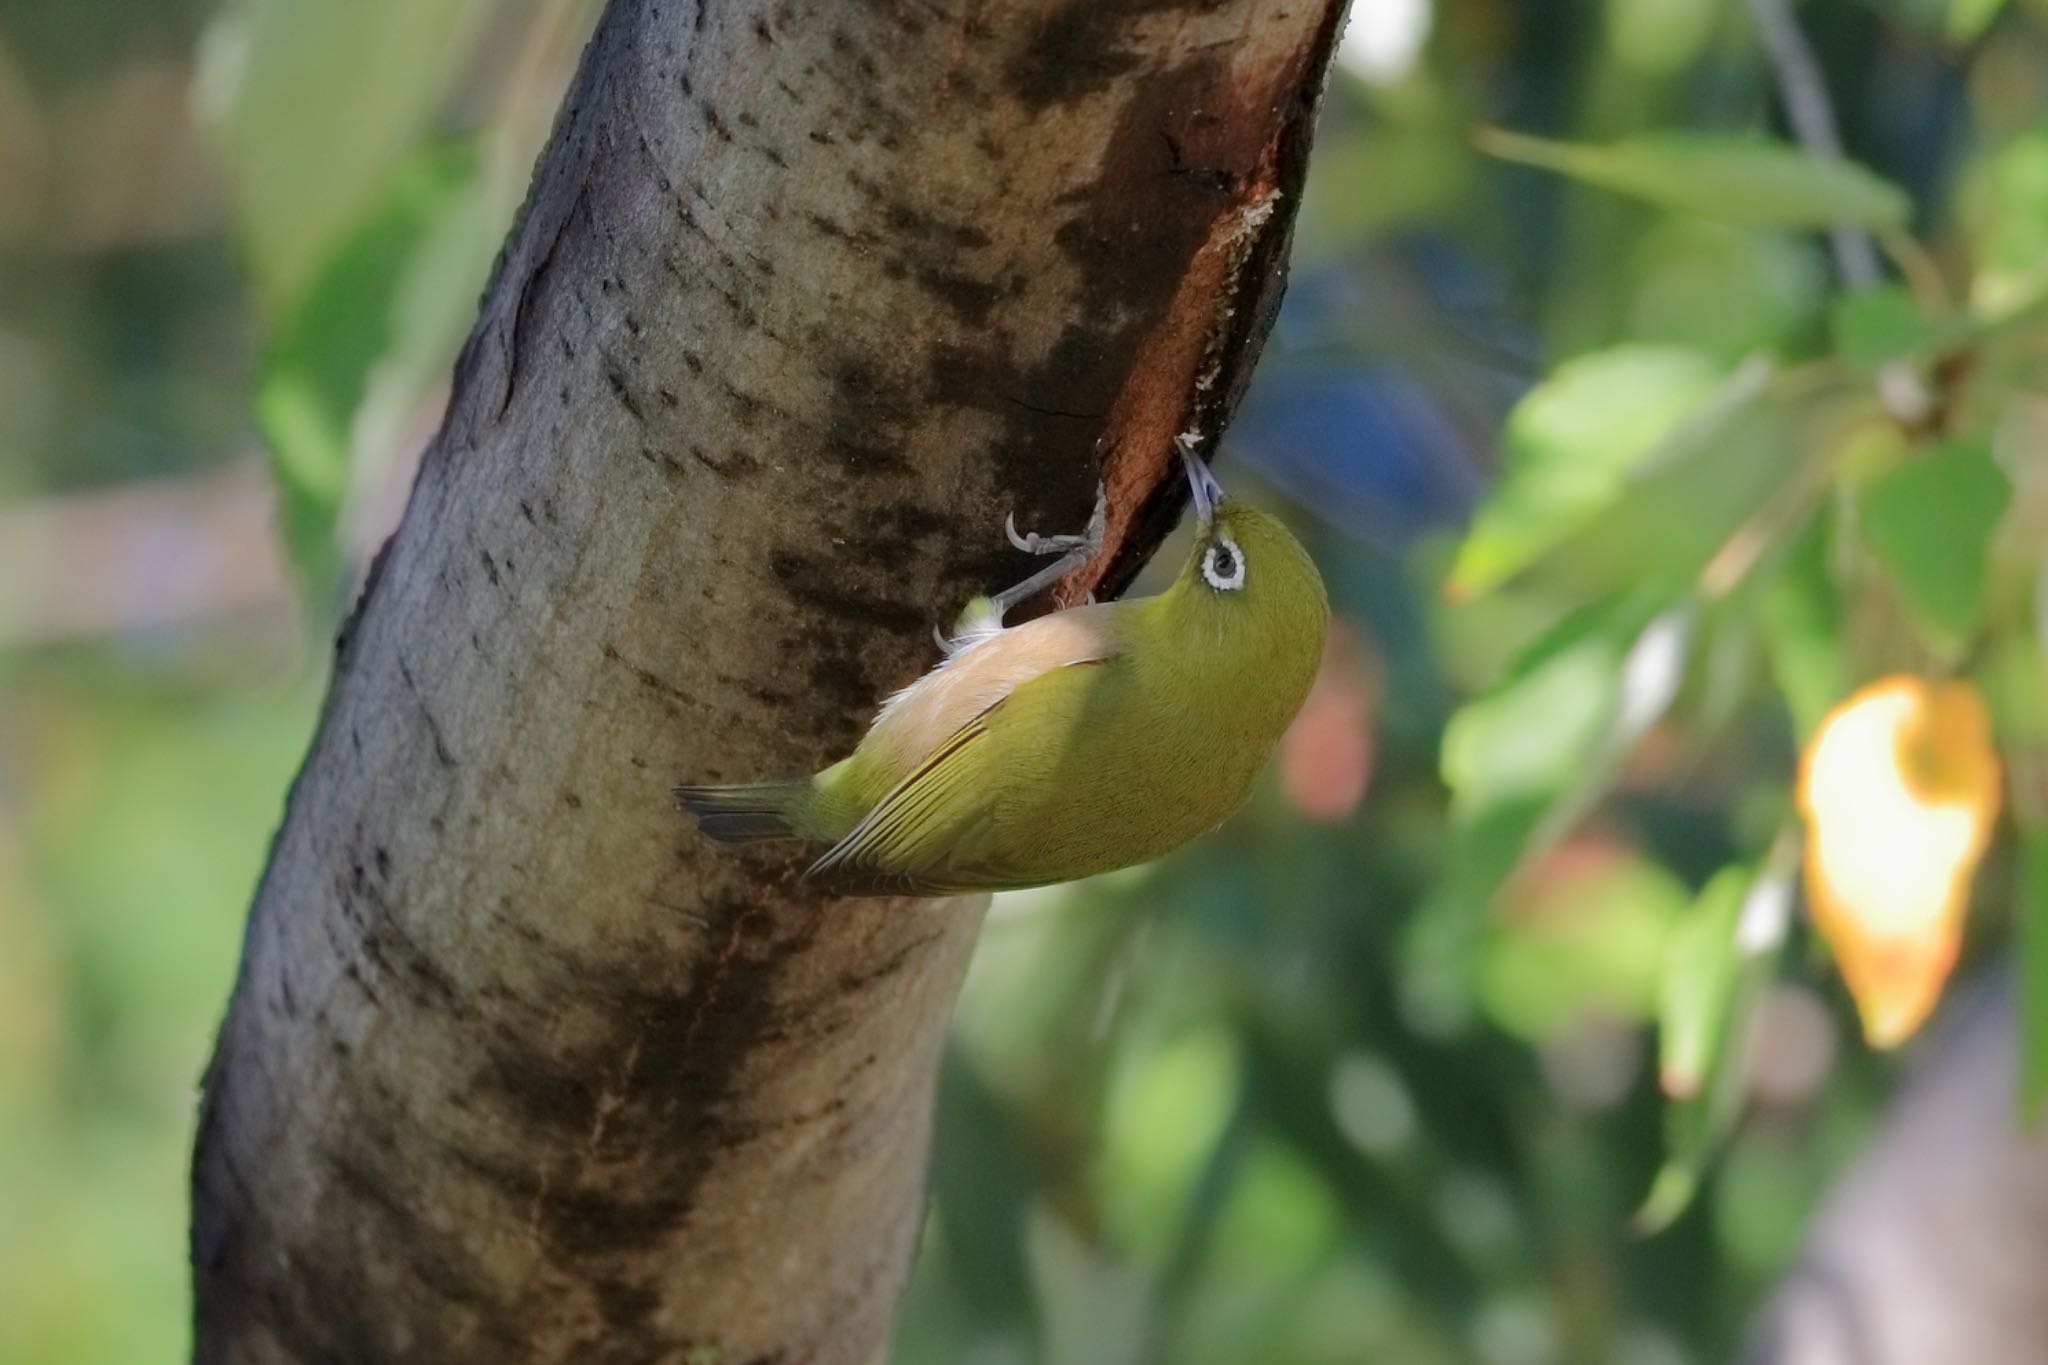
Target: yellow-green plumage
{"x": 1077, "y": 743}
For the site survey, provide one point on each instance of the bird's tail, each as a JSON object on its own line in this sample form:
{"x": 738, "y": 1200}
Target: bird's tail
{"x": 744, "y": 815}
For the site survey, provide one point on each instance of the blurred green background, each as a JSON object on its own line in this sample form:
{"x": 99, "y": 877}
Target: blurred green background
{"x": 1479, "y": 1037}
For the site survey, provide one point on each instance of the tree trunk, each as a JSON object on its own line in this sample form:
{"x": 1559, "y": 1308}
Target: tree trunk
{"x": 806, "y": 296}
{"x": 1934, "y": 1246}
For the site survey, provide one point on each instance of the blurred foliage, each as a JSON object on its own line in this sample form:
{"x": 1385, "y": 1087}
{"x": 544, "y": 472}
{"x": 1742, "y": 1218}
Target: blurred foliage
{"x": 138, "y": 798}
{"x": 1492, "y": 1032}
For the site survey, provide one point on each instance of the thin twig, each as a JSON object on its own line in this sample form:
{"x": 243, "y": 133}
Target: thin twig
{"x": 1920, "y": 271}
{"x": 1813, "y": 122}
{"x": 1812, "y": 117}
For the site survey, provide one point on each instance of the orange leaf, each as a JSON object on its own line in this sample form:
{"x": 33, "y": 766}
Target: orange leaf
{"x": 1899, "y": 787}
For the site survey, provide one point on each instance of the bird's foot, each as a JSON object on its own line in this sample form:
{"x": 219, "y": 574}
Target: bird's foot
{"x": 1073, "y": 552}
{"x": 983, "y": 616}
{"x": 1032, "y": 543}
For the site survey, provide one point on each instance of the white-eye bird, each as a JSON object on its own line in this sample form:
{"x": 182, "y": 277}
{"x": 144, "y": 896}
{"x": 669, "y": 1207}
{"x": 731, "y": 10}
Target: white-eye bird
{"x": 1079, "y": 742}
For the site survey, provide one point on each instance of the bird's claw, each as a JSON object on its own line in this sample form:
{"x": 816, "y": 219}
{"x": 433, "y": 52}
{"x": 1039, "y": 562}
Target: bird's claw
{"x": 1032, "y": 543}
{"x": 1073, "y": 552}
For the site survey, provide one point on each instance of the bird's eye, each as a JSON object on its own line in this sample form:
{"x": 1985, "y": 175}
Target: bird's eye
{"x": 1223, "y": 565}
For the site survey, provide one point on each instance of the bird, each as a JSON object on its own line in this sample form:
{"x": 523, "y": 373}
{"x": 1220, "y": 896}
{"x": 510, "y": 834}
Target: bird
{"x": 1082, "y": 741}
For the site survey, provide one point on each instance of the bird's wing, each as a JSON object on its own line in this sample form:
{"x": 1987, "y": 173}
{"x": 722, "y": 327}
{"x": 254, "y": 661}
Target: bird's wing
{"x": 932, "y": 834}
{"x": 925, "y": 716}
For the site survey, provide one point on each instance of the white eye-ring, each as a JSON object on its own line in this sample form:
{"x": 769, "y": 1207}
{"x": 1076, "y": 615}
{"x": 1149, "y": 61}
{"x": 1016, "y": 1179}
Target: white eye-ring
{"x": 1223, "y": 565}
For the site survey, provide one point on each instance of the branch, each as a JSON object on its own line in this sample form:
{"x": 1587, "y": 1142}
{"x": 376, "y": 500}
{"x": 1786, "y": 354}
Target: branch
{"x": 805, "y": 298}
{"x": 1934, "y": 1247}
{"x": 1812, "y": 116}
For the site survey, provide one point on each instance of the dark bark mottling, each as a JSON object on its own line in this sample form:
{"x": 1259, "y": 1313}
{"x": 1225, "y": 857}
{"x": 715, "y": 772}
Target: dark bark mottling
{"x": 806, "y": 297}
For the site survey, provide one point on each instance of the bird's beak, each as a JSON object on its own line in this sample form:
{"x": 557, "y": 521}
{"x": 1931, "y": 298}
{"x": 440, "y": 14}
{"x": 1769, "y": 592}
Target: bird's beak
{"x": 1201, "y": 483}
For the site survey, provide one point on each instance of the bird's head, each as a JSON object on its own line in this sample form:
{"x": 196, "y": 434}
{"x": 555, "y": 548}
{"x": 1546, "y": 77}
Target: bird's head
{"x": 1243, "y": 556}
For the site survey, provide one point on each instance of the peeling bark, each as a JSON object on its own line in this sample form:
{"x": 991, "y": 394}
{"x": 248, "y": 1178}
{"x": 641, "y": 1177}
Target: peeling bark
{"x": 806, "y": 296}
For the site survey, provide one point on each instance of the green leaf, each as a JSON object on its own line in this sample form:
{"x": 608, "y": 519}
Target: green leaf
{"x": 1968, "y": 19}
{"x": 311, "y": 139}
{"x": 2012, "y": 677}
{"x": 1592, "y": 940}
{"x": 1754, "y": 181}
{"x": 1719, "y": 964}
{"x": 1764, "y": 1202}
{"x": 1722, "y": 290}
{"x": 1874, "y": 326}
{"x": 2007, "y": 213}
{"x": 1802, "y": 619}
{"x": 1930, "y": 521}
{"x": 1167, "y": 1109}
{"x": 1569, "y": 447}
{"x": 1528, "y": 759}
{"x": 388, "y": 305}
{"x": 1533, "y": 735}
{"x": 1699, "y": 985}
{"x": 1277, "y": 1220}
{"x": 2014, "y": 680}
{"x": 1670, "y": 515}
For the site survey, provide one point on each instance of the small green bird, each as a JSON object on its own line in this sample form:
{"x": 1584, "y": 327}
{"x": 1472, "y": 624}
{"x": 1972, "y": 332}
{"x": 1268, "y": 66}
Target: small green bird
{"x": 1080, "y": 742}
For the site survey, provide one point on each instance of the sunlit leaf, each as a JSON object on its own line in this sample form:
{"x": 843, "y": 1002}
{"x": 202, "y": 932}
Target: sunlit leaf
{"x": 1532, "y": 736}
{"x": 2007, "y": 212}
{"x": 383, "y": 305}
{"x": 1279, "y": 1217}
{"x": 1589, "y": 933}
{"x": 1570, "y": 446}
{"x": 1167, "y": 1108}
{"x": 1737, "y": 179}
{"x": 1661, "y": 38}
{"x": 1968, "y": 19}
{"x": 1525, "y": 761}
{"x": 317, "y": 105}
{"x": 1673, "y": 514}
{"x": 1699, "y": 983}
{"x": 1931, "y": 522}
{"x": 1899, "y": 787}
{"x": 1719, "y": 963}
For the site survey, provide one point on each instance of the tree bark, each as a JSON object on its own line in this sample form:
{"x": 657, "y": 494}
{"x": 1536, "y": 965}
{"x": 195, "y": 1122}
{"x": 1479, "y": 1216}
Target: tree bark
{"x": 1934, "y": 1246}
{"x": 805, "y": 297}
